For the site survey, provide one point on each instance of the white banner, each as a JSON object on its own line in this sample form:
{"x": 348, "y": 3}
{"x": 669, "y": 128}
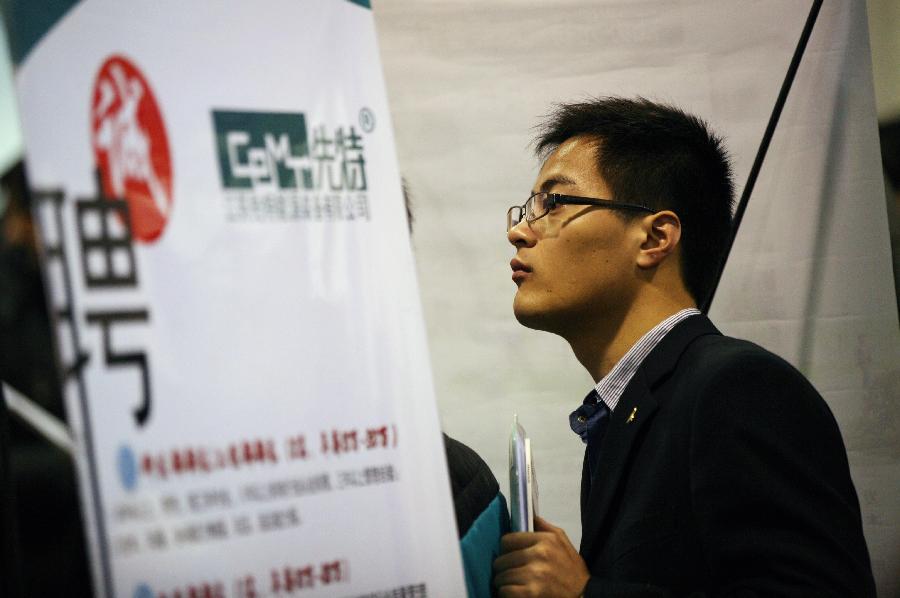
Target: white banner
{"x": 226, "y": 248}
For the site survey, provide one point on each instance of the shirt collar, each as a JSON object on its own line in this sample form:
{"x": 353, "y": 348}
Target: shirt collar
{"x": 613, "y": 384}
{"x": 585, "y": 419}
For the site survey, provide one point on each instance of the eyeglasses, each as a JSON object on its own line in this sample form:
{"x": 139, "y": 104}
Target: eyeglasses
{"x": 540, "y": 204}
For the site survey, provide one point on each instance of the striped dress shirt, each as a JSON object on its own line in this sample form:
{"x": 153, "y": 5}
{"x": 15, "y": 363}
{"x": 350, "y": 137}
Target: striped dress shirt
{"x": 589, "y": 420}
{"x": 612, "y": 385}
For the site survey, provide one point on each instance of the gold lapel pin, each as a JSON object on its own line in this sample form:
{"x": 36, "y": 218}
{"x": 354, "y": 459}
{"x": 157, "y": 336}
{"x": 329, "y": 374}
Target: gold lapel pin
{"x": 631, "y": 417}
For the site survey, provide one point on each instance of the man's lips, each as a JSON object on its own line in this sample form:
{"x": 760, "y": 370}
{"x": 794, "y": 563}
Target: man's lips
{"x": 520, "y": 270}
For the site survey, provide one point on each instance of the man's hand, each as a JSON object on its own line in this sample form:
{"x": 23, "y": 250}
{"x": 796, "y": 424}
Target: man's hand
{"x": 540, "y": 563}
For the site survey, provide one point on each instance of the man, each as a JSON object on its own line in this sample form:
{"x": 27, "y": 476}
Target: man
{"x": 712, "y": 467}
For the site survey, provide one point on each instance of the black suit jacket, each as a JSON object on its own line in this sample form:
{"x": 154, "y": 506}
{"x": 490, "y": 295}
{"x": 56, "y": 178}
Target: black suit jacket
{"x": 722, "y": 473}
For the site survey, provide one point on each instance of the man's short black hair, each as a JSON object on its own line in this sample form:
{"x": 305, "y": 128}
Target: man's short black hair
{"x": 657, "y": 155}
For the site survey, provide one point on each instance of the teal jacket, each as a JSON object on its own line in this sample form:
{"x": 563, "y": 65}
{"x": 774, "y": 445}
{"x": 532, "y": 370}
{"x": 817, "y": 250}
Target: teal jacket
{"x": 481, "y": 515}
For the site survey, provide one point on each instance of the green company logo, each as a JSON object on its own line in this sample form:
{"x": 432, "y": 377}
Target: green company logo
{"x": 263, "y": 150}
{"x": 276, "y": 168}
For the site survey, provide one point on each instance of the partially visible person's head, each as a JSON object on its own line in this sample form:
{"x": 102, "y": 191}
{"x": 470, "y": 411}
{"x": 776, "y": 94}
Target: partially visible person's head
{"x": 636, "y": 152}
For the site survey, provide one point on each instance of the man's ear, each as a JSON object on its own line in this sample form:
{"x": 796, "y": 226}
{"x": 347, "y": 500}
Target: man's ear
{"x": 662, "y": 233}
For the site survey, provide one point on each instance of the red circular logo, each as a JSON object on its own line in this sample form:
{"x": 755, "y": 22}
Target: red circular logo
{"x": 131, "y": 147}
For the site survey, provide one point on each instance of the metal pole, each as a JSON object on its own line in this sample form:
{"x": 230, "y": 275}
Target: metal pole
{"x": 764, "y": 145}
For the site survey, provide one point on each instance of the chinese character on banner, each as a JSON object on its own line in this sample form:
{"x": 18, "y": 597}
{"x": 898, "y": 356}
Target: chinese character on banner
{"x": 349, "y": 150}
{"x": 323, "y": 155}
{"x": 107, "y": 262}
{"x": 339, "y": 160}
{"x": 56, "y": 254}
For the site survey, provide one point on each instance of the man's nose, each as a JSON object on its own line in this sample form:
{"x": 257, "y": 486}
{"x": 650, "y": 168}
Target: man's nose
{"x": 521, "y": 235}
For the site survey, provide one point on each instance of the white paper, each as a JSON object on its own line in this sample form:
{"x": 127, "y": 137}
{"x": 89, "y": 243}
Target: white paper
{"x": 522, "y": 480}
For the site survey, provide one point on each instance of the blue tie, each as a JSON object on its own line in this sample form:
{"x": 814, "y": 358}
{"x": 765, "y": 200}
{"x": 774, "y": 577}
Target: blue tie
{"x": 590, "y": 422}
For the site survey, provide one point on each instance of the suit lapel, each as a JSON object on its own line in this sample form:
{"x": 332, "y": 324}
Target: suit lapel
{"x": 633, "y": 413}
{"x": 635, "y": 409}
{"x": 585, "y": 486}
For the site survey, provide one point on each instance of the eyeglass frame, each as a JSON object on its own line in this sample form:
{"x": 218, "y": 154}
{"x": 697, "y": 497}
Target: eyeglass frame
{"x": 554, "y": 199}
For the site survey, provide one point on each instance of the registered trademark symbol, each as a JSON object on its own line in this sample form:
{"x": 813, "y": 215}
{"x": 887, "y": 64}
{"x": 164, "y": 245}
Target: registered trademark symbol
{"x": 367, "y": 120}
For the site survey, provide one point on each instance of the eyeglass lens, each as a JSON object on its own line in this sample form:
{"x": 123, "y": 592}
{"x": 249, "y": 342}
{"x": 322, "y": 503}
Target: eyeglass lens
{"x": 534, "y": 208}
{"x": 513, "y": 217}
{"x": 538, "y": 206}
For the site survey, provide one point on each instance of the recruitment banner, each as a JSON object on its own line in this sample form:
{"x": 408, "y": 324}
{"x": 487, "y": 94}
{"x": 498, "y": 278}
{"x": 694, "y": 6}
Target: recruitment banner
{"x": 242, "y": 347}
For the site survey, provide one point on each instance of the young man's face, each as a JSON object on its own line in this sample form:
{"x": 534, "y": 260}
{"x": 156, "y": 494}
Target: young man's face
{"x": 577, "y": 263}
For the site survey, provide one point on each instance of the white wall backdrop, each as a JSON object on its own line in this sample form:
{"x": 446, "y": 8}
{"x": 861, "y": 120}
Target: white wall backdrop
{"x": 810, "y": 276}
